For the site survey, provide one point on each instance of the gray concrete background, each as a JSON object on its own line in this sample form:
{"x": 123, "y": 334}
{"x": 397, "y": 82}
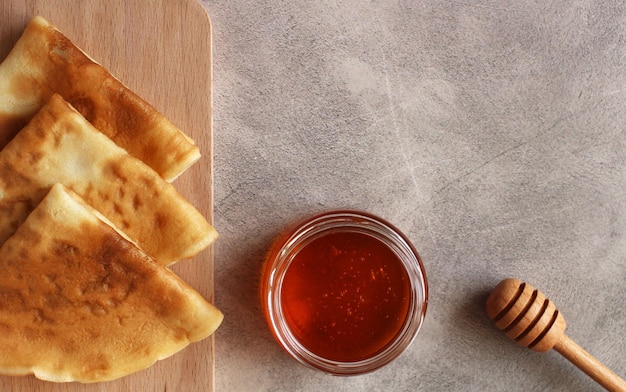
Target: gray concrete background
{"x": 491, "y": 133}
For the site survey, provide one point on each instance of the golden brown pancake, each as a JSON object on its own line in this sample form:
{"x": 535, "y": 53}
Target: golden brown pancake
{"x": 78, "y": 302}
{"x": 44, "y": 62}
{"x": 60, "y": 146}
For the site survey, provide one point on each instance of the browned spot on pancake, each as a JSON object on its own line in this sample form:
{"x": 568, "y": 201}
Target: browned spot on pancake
{"x": 147, "y": 185}
{"x": 112, "y": 276}
{"x": 103, "y": 195}
{"x": 46, "y": 122}
{"x": 109, "y": 249}
{"x": 88, "y": 191}
{"x": 169, "y": 303}
{"x": 10, "y": 124}
{"x": 118, "y": 209}
{"x": 66, "y": 60}
{"x": 115, "y": 167}
{"x": 160, "y": 220}
{"x": 84, "y": 105}
{"x": 65, "y": 249}
{"x": 33, "y": 157}
{"x": 137, "y": 202}
{"x": 127, "y": 125}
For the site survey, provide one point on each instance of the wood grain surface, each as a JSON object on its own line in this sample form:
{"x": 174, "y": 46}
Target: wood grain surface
{"x": 162, "y": 50}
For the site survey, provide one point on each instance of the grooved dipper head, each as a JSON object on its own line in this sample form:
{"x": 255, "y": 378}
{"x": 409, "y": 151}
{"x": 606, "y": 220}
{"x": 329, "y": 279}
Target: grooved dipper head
{"x": 525, "y": 315}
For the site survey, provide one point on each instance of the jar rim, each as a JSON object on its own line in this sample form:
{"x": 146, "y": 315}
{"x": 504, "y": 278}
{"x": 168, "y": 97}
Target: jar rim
{"x": 287, "y": 247}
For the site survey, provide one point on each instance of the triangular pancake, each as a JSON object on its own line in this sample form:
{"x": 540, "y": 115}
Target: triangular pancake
{"x": 44, "y": 62}
{"x": 60, "y": 146}
{"x": 78, "y": 302}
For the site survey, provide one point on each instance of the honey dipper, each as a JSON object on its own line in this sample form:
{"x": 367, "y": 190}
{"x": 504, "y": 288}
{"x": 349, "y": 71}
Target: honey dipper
{"x": 532, "y": 320}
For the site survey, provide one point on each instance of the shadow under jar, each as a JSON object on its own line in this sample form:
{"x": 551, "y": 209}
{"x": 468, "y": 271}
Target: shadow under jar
{"x": 344, "y": 292}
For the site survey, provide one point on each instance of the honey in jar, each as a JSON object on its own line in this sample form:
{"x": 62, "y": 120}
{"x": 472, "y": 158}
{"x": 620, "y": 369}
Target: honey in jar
{"x": 345, "y": 292}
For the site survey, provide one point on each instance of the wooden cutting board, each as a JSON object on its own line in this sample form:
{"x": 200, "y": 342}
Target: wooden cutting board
{"x": 162, "y": 50}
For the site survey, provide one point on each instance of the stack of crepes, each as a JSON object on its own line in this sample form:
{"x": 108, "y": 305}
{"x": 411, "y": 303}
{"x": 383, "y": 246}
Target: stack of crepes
{"x": 89, "y": 220}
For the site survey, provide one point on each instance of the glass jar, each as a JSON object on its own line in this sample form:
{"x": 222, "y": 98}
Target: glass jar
{"x": 344, "y": 292}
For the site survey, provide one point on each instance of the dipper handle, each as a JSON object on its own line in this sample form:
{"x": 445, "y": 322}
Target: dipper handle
{"x": 590, "y": 365}
{"x": 528, "y": 317}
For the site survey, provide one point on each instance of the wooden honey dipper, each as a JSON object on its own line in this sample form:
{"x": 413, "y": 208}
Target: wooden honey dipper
{"x": 532, "y": 320}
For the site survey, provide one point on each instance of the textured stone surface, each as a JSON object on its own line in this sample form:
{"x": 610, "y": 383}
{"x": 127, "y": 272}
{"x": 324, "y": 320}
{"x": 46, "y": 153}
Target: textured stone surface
{"x": 491, "y": 133}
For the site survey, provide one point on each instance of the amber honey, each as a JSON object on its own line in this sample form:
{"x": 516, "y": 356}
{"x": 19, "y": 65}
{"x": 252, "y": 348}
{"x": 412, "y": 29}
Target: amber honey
{"x": 345, "y": 296}
{"x": 345, "y": 292}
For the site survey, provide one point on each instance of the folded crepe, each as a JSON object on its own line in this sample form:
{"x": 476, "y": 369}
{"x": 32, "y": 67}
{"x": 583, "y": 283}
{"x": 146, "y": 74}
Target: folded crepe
{"x": 79, "y": 302}
{"x": 44, "y": 62}
{"x": 60, "y": 146}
